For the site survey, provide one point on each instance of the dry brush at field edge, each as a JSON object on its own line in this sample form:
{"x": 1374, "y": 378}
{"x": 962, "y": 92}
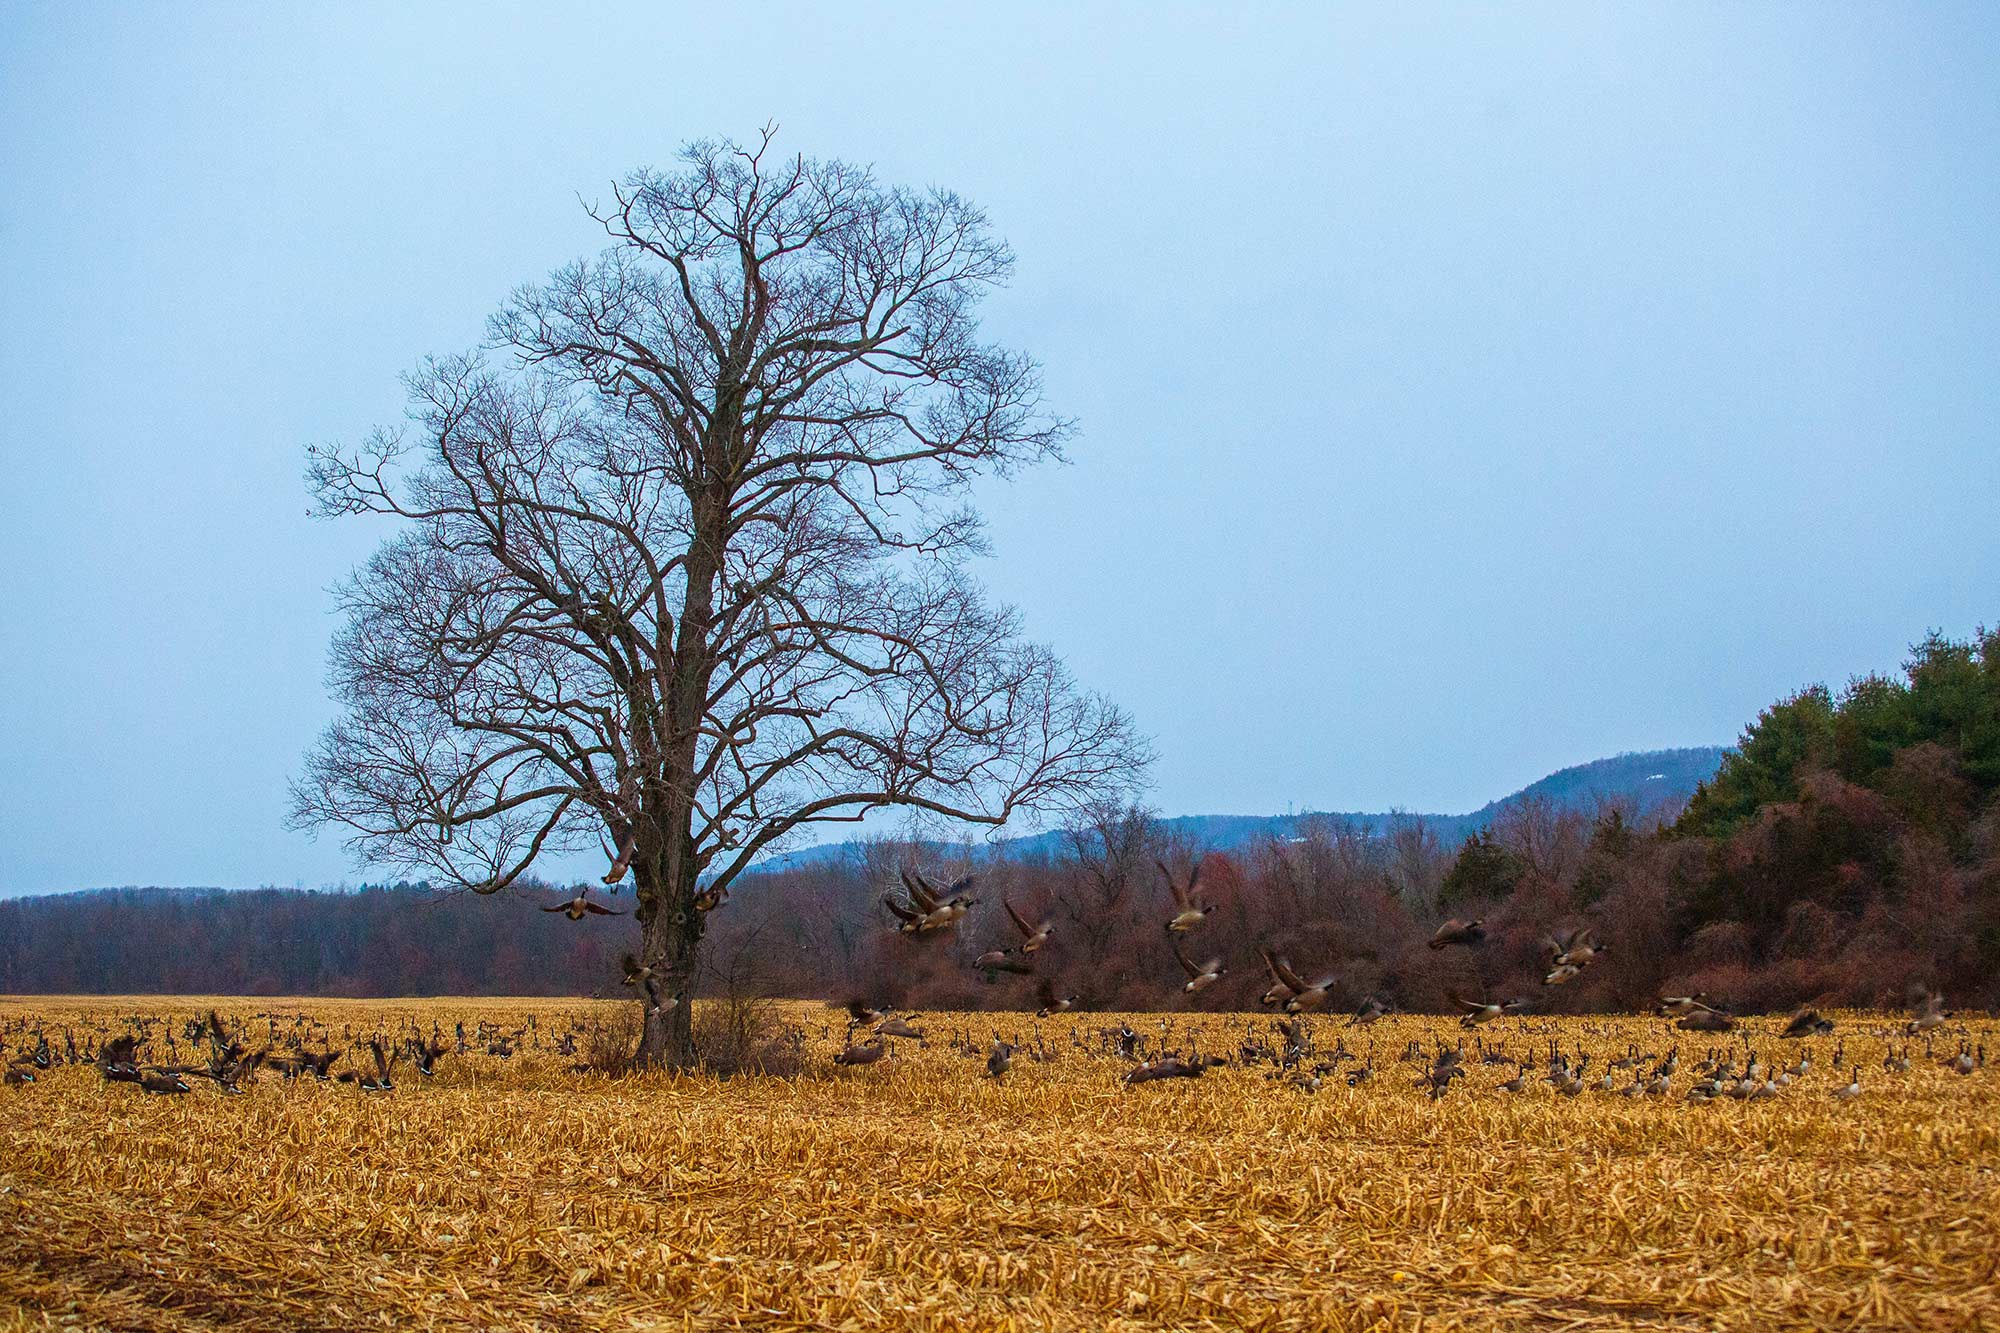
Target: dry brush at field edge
{"x": 920, "y": 1194}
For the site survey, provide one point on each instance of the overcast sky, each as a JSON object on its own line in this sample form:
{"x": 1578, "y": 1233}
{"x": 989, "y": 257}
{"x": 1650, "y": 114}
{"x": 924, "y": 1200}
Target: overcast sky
{"x": 1464, "y": 393}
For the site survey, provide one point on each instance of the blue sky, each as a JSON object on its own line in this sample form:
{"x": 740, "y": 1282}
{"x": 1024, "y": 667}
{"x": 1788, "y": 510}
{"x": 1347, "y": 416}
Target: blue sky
{"x": 1465, "y": 392}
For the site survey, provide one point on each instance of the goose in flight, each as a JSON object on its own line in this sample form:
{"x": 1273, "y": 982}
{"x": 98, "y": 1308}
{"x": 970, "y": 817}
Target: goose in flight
{"x": 1032, "y": 937}
{"x": 1189, "y": 910}
{"x": 1457, "y": 931}
{"x": 580, "y": 906}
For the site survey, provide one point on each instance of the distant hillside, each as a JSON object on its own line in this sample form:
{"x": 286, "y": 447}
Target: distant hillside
{"x": 1649, "y": 780}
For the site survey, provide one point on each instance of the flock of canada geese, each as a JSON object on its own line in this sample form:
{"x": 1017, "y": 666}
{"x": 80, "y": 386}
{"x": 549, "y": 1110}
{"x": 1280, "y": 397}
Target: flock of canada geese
{"x": 926, "y": 908}
{"x": 296, "y": 1046}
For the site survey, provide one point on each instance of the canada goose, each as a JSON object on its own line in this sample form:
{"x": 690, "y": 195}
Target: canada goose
{"x": 379, "y": 1081}
{"x": 908, "y": 918}
{"x": 1032, "y": 937}
{"x": 1562, "y": 973}
{"x": 1479, "y": 1013}
{"x": 1281, "y": 990}
{"x": 1456, "y": 931}
{"x": 1293, "y": 1030}
{"x": 1852, "y": 1089}
{"x": 118, "y": 1060}
{"x": 1573, "y": 948}
{"x": 711, "y": 897}
{"x": 897, "y": 1026}
{"x": 163, "y": 1083}
{"x": 863, "y": 1055}
{"x": 1051, "y": 1003}
{"x": 620, "y": 859}
{"x": 864, "y": 1014}
{"x": 1165, "y": 1067}
{"x": 1929, "y": 1009}
{"x": 1518, "y": 1083}
{"x": 576, "y": 908}
{"x": 1807, "y": 1023}
{"x": 1189, "y": 911}
{"x": 928, "y": 909}
{"x": 1706, "y": 1020}
{"x": 18, "y": 1073}
{"x": 648, "y": 978}
{"x": 1448, "y": 1066}
{"x": 1000, "y": 1059}
{"x": 944, "y": 906}
{"x": 995, "y": 961}
{"x": 424, "y": 1055}
{"x": 1199, "y": 978}
{"x": 1961, "y": 1063}
{"x": 1680, "y": 1006}
{"x": 1307, "y": 997}
{"x": 1296, "y": 995}
{"x": 1371, "y": 1009}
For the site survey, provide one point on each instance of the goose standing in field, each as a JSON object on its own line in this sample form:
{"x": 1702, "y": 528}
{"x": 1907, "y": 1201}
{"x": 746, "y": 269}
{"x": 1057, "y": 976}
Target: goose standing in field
{"x": 1000, "y": 1058}
{"x": 1448, "y": 1066}
{"x": 1851, "y": 1090}
{"x": 1189, "y": 911}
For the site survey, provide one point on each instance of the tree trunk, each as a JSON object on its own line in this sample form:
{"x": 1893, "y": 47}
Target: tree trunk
{"x": 669, "y": 943}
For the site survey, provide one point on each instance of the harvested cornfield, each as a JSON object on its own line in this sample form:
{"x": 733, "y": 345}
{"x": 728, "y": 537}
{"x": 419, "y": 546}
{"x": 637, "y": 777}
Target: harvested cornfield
{"x": 515, "y": 1191}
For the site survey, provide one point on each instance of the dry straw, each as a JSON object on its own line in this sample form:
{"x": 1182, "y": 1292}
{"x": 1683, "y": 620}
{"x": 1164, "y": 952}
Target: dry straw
{"x": 919, "y": 1193}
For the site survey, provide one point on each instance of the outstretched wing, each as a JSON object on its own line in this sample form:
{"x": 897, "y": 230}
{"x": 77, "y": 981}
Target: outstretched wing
{"x": 921, "y": 893}
{"x": 601, "y": 910}
{"x": 1173, "y": 885}
{"x": 1283, "y": 972}
{"x": 559, "y": 907}
{"x": 1020, "y": 924}
{"x": 1180, "y": 956}
{"x": 903, "y": 913}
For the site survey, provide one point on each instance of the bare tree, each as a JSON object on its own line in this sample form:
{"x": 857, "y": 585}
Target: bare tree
{"x": 684, "y": 571}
